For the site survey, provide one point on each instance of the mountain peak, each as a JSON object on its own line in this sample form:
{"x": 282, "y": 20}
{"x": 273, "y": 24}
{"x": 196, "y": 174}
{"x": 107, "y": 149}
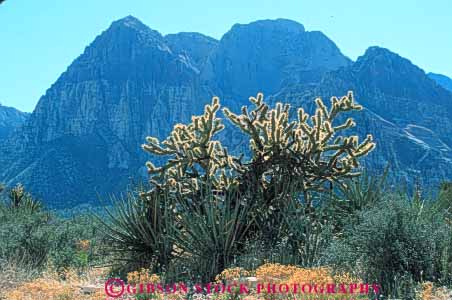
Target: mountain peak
{"x": 375, "y": 51}
{"x": 191, "y": 35}
{"x": 380, "y": 58}
{"x": 196, "y": 45}
{"x": 126, "y": 31}
{"x": 442, "y": 80}
{"x": 10, "y": 119}
{"x": 272, "y": 24}
{"x": 129, "y": 21}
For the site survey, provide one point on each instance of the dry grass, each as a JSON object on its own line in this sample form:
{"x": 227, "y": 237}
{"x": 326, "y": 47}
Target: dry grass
{"x": 12, "y": 276}
{"x": 52, "y": 286}
{"x": 430, "y": 292}
{"x": 17, "y": 284}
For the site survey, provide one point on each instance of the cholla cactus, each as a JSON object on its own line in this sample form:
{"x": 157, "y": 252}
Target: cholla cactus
{"x": 195, "y": 155}
{"x": 308, "y": 150}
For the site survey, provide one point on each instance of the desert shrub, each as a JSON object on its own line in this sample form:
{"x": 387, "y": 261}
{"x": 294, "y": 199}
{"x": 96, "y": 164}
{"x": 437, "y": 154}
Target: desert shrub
{"x": 443, "y": 202}
{"x": 25, "y": 238}
{"x": 309, "y": 154}
{"x": 355, "y": 195}
{"x": 395, "y": 243}
{"x": 51, "y": 286}
{"x": 32, "y": 237}
{"x": 77, "y": 242}
{"x": 308, "y": 234}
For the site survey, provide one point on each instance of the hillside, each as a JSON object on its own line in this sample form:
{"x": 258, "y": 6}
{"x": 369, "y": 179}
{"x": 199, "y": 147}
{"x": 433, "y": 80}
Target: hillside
{"x": 84, "y": 136}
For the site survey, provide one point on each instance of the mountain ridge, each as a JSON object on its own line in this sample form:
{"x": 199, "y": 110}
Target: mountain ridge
{"x": 10, "y": 119}
{"x": 84, "y": 136}
{"x": 442, "y": 80}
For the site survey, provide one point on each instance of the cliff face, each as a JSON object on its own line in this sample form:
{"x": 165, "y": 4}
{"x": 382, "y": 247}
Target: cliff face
{"x": 402, "y": 93}
{"x": 397, "y": 90}
{"x": 442, "y": 80}
{"x": 85, "y": 133}
{"x": 84, "y": 136}
{"x": 266, "y": 56}
{"x": 10, "y": 119}
{"x": 194, "y": 45}
{"x": 128, "y": 82}
{"x": 407, "y": 112}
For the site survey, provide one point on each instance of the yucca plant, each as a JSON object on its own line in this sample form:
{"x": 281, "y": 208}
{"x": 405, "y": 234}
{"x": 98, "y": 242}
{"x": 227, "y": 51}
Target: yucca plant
{"x": 355, "y": 195}
{"x": 19, "y": 198}
{"x": 138, "y": 231}
{"x": 213, "y": 230}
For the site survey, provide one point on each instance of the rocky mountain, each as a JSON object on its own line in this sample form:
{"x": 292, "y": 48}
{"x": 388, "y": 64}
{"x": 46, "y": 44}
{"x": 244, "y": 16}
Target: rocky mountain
{"x": 407, "y": 112}
{"x": 194, "y": 45}
{"x": 397, "y": 90}
{"x": 266, "y": 56}
{"x": 84, "y": 136}
{"x": 442, "y": 80}
{"x": 10, "y": 119}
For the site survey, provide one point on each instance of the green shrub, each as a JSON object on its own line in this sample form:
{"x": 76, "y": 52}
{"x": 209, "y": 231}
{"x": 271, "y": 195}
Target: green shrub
{"x": 25, "y": 238}
{"x": 37, "y": 239}
{"x": 76, "y": 242}
{"x": 395, "y": 243}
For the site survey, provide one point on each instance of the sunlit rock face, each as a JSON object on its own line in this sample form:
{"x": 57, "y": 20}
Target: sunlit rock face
{"x": 83, "y": 138}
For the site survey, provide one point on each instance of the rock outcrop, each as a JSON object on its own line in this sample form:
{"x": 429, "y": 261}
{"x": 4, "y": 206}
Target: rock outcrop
{"x": 267, "y": 56}
{"x": 83, "y": 139}
{"x": 442, "y": 80}
{"x": 10, "y": 119}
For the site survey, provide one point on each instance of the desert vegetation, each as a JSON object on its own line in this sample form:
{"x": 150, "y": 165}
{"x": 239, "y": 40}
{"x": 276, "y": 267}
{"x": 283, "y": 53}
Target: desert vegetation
{"x": 296, "y": 206}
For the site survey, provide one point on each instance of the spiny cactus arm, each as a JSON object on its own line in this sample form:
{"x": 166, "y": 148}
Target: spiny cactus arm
{"x": 328, "y": 157}
{"x": 349, "y": 123}
{"x": 365, "y": 147}
{"x": 253, "y": 123}
{"x": 193, "y": 152}
{"x": 346, "y": 103}
{"x": 153, "y": 146}
{"x": 269, "y": 130}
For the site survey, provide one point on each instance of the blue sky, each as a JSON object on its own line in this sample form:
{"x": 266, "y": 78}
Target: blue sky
{"x": 39, "y": 39}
